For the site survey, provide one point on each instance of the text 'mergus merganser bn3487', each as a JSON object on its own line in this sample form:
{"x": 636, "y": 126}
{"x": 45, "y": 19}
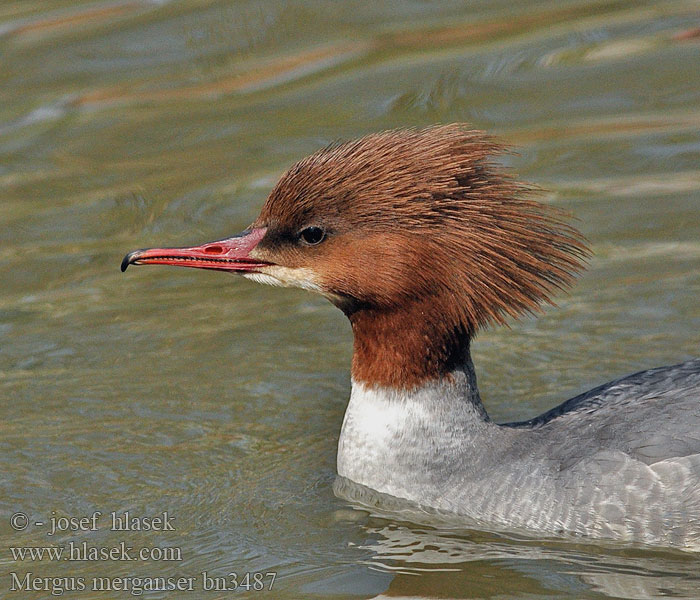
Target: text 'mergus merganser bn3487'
{"x": 421, "y": 241}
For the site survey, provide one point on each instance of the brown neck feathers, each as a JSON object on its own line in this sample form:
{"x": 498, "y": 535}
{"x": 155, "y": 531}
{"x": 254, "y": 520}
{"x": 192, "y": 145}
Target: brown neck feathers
{"x": 428, "y": 240}
{"x": 405, "y": 347}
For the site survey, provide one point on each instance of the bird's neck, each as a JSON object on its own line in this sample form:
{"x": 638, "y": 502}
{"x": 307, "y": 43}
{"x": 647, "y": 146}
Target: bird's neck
{"x": 397, "y": 441}
{"x": 407, "y": 347}
{"x": 414, "y": 404}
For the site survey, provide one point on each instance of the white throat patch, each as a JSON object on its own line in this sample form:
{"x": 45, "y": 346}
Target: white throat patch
{"x": 286, "y": 277}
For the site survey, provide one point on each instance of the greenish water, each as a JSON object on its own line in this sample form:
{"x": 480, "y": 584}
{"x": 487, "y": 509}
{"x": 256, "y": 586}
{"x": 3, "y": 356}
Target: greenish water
{"x": 132, "y": 123}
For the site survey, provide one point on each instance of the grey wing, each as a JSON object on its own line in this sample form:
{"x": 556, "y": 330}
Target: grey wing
{"x": 627, "y": 499}
{"x": 652, "y": 415}
{"x": 635, "y": 442}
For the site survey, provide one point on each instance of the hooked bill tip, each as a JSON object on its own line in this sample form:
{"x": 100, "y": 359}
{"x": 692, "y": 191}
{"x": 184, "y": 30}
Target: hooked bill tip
{"x": 128, "y": 259}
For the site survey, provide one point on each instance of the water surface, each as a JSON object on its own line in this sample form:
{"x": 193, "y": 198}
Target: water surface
{"x": 131, "y": 123}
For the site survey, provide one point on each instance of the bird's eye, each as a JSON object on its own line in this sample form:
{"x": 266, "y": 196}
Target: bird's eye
{"x": 313, "y": 235}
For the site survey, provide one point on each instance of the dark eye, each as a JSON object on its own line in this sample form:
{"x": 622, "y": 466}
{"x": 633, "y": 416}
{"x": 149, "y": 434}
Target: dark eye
{"x": 313, "y": 235}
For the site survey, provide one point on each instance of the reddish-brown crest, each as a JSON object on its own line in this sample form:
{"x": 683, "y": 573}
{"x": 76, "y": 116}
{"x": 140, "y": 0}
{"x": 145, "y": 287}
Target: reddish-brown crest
{"x": 427, "y": 241}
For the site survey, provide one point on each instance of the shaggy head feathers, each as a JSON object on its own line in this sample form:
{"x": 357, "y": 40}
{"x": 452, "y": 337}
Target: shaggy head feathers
{"x": 423, "y": 213}
{"x": 426, "y": 240}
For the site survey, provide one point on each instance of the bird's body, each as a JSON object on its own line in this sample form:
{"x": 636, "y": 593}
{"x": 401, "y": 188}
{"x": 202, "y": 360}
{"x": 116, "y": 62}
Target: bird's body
{"x": 580, "y": 468}
{"x": 420, "y": 240}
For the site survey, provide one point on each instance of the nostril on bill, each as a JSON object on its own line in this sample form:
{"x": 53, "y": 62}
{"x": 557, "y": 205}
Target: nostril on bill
{"x": 214, "y": 250}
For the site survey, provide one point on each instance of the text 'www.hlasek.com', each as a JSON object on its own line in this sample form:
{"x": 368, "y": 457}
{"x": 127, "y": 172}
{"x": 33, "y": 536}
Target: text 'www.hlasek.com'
{"x": 33, "y": 559}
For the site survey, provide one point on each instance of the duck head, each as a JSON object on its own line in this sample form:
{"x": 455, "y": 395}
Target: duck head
{"x": 417, "y": 235}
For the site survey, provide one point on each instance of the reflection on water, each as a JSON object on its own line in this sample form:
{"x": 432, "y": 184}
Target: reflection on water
{"x": 452, "y": 562}
{"x": 131, "y": 123}
{"x": 449, "y": 552}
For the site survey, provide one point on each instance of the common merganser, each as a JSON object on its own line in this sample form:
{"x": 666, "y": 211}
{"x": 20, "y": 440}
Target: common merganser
{"x": 421, "y": 240}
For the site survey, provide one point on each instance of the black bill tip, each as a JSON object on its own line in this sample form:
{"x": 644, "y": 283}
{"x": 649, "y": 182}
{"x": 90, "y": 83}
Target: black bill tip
{"x": 129, "y": 259}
